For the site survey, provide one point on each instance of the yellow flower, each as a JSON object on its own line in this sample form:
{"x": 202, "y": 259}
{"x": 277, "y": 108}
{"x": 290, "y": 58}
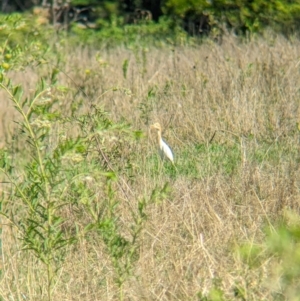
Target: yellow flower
{"x": 7, "y": 56}
{"x": 5, "y": 66}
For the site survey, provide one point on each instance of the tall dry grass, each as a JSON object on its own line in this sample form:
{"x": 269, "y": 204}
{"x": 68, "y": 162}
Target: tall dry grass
{"x": 240, "y": 99}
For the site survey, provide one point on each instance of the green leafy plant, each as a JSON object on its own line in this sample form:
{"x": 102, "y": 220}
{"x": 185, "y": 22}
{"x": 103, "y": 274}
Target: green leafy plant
{"x": 125, "y": 67}
{"x": 39, "y": 221}
{"x": 280, "y": 250}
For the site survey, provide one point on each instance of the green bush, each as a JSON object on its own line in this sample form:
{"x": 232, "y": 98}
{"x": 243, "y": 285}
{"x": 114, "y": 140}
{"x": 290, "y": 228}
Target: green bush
{"x": 241, "y": 15}
{"x": 280, "y": 251}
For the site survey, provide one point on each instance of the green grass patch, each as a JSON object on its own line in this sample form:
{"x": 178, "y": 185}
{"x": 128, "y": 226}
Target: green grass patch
{"x": 201, "y": 160}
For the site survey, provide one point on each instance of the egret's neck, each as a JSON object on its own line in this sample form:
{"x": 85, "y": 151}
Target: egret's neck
{"x": 158, "y": 137}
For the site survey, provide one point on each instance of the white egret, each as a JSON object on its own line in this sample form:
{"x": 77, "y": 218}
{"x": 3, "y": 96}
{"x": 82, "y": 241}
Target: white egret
{"x": 164, "y": 149}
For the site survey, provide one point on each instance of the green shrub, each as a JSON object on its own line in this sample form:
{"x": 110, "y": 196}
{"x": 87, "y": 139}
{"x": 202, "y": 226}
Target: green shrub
{"x": 280, "y": 251}
{"x": 241, "y": 16}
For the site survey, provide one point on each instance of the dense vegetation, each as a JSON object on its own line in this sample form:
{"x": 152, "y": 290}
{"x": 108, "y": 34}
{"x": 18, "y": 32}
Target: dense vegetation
{"x": 196, "y": 16}
{"x": 89, "y": 211}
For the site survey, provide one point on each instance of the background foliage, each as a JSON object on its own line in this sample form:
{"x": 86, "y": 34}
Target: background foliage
{"x": 237, "y": 15}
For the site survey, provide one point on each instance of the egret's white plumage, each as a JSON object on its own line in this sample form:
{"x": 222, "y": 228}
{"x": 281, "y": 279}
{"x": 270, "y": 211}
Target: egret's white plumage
{"x": 164, "y": 149}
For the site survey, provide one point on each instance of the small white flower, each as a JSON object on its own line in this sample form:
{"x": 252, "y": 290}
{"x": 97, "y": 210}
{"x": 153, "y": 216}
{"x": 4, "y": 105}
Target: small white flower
{"x": 43, "y": 101}
{"x": 88, "y": 179}
{"x": 41, "y": 123}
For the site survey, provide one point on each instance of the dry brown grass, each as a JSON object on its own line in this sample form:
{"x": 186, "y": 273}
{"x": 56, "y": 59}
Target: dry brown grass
{"x": 246, "y": 95}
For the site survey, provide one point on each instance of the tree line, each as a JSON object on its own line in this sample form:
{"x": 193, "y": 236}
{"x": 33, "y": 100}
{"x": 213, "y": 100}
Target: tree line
{"x": 195, "y": 16}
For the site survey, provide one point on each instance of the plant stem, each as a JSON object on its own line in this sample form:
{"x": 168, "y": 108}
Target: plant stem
{"x": 32, "y": 135}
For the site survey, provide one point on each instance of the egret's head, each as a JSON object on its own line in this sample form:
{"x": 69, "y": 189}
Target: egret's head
{"x": 156, "y": 126}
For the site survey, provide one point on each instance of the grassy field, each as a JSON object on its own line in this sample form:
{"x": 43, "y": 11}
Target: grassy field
{"x": 92, "y": 213}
